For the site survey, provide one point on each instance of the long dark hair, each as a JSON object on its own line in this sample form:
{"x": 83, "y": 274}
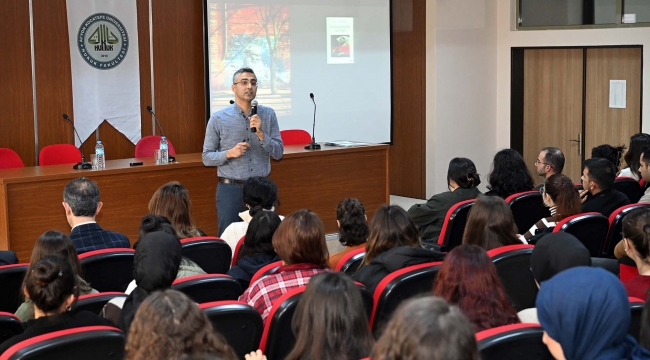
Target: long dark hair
{"x": 490, "y": 224}
{"x": 390, "y": 227}
{"x": 353, "y": 229}
{"x": 330, "y": 321}
{"x": 564, "y": 194}
{"x": 463, "y": 172}
{"x": 509, "y": 174}
{"x": 638, "y": 143}
{"x": 259, "y": 235}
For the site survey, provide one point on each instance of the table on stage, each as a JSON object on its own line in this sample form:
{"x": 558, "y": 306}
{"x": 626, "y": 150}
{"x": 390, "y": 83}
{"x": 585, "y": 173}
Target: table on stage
{"x": 31, "y": 198}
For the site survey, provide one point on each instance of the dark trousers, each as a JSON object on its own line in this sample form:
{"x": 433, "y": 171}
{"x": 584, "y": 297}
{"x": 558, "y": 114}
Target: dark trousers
{"x": 230, "y": 202}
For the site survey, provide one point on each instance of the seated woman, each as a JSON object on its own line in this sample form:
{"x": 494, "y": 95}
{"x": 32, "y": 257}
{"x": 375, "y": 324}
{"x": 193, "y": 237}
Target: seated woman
{"x": 167, "y": 325}
{"x": 636, "y": 240}
{"x": 585, "y": 314}
{"x": 427, "y": 328}
{"x": 393, "y": 244}
{"x": 51, "y": 286}
{"x": 299, "y": 241}
{"x": 490, "y": 224}
{"x": 353, "y": 228}
{"x": 613, "y": 154}
{"x": 509, "y": 175}
{"x": 172, "y": 201}
{"x": 340, "y": 332}
{"x": 638, "y": 143}
{"x": 561, "y": 196}
{"x": 469, "y": 280}
{"x": 53, "y": 243}
{"x": 260, "y": 193}
{"x": 463, "y": 182}
{"x": 257, "y": 250}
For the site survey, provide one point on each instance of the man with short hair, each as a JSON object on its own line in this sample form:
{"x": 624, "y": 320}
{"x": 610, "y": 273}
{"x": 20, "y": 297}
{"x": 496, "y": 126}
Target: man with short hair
{"x": 81, "y": 204}
{"x": 238, "y": 152}
{"x": 644, "y": 170}
{"x": 550, "y": 161}
{"x": 599, "y": 195}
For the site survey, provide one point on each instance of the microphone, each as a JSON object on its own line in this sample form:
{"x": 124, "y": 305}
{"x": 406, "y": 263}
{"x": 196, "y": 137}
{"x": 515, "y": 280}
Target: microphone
{"x": 232, "y": 102}
{"x": 156, "y": 118}
{"x": 83, "y": 164}
{"x": 254, "y": 112}
{"x": 313, "y": 145}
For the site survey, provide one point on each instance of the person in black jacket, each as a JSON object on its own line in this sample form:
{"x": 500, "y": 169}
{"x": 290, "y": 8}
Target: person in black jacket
{"x": 393, "y": 244}
{"x": 598, "y": 177}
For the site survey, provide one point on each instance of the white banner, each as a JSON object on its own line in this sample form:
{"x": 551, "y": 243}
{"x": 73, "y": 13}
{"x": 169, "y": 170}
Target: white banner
{"x": 105, "y": 69}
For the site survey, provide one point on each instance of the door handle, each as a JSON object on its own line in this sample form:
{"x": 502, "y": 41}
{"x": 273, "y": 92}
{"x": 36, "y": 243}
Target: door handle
{"x": 579, "y": 141}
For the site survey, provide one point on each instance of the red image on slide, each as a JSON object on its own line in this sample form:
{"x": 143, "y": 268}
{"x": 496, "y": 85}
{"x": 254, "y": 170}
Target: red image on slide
{"x": 340, "y": 45}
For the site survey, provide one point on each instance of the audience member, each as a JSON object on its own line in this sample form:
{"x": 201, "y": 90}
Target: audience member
{"x": 462, "y": 182}
{"x": 549, "y": 162}
{"x": 393, "y": 244}
{"x": 330, "y": 321}
{"x": 168, "y": 325}
{"x": 50, "y": 284}
{"x": 509, "y": 175}
{"x": 490, "y": 224}
{"x": 260, "y": 193}
{"x": 585, "y": 314}
{"x": 257, "y": 250}
{"x": 561, "y": 196}
{"x": 644, "y": 335}
{"x": 8, "y": 257}
{"x": 598, "y": 181}
{"x": 613, "y": 154}
{"x": 353, "y": 228}
{"x": 644, "y": 171}
{"x": 53, "y": 243}
{"x": 636, "y": 245}
{"x": 427, "y": 328}
{"x": 81, "y": 204}
{"x": 469, "y": 280}
{"x": 299, "y": 241}
{"x": 638, "y": 144}
{"x": 172, "y": 201}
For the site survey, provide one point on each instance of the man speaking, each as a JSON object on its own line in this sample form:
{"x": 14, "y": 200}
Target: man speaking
{"x": 239, "y": 140}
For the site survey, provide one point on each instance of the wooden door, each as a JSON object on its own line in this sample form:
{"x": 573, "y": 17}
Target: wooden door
{"x": 553, "y": 80}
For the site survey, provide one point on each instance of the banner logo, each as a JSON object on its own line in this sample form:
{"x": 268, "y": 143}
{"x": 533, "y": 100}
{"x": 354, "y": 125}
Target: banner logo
{"x": 103, "y": 41}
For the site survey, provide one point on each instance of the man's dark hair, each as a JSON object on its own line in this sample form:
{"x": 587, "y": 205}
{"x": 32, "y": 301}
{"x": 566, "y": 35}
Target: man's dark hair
{"x": 555, "y": 158}
{"x": 82, "y": 194}
{"x": 601, "y": 171}
{"x": 240, "y": 71}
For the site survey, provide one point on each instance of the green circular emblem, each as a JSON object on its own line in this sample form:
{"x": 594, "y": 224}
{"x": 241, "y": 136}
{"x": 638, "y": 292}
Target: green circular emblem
{"x": 103, "y": 41}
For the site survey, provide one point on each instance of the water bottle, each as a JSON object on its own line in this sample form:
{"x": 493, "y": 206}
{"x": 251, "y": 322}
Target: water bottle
{"x": 99, "y": 153}
{"x": 164, "y": 150}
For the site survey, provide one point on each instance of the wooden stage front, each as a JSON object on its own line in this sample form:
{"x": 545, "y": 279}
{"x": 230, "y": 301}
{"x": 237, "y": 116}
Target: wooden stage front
{"x": 31, "y": 198}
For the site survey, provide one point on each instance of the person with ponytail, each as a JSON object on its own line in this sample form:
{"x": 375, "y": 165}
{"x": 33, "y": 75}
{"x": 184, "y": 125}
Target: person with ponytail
{"x": 561, "y": 196}
{"x": 462, "y": 182}
{"x": 636, "y": 239}
{"x": 353, "y": 228}
{"x": 260, "y": 194}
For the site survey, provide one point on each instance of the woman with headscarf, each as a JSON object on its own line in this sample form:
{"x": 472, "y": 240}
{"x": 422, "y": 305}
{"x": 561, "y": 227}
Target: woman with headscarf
{"x": 585, "y": 314}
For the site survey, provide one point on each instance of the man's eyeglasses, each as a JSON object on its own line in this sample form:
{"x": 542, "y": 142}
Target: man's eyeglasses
{"x": 253, "y": 83}
{"x": 538, "y": 161}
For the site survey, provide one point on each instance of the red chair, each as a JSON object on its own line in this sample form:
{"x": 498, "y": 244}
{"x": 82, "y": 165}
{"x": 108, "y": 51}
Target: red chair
{"x": 590, "y": 228}
{"x": 627, "y": 271}
{"x": 513, "y": 267}
{"x": 9, "y": 159}
{"x": 527, "y": 209}
{"x": 351, "y": 261}
{"x": 636, "y": 309}
{"x": 146, "y": 145}
{"x": 236, "y": 254}
{"x": 108, "y": 269}
{"x": 616, "y": 227}
{"x": 209, "y": 287}
{"x": 10, "y": 325}
{"x": 266, "y": 270}
{"x": 278, "y": 339}
{"x": 95, "y": 302}
{"x": 628, "y": 186}
{"x": 453, "y": 228}
{"x": 517, "y": 341}
{"x": 239, "y": 323}
{"x": 208, "y": 252}
{"x": 59, "y": 154}
{"x": 295, "y": 137}
{"x": 11, "y": 278}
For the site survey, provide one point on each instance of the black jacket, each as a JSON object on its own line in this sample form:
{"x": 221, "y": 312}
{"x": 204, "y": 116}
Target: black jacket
{"x": 247, "y": 267}
{"x": 394, "y": 259}
{"x": 605, "y": 202}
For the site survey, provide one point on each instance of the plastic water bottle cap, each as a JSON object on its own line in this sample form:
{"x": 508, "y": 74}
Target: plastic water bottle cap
{"x": 163, "y": 138}
{"x": 99, "y": 141}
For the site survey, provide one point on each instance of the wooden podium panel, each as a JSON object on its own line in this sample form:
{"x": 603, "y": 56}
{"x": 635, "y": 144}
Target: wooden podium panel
{"x": 31, "y": 198}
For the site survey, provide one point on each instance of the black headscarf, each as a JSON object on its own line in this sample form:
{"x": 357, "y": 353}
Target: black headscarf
{"x": 155, "y": 266}
{"x": 556, "y": 252}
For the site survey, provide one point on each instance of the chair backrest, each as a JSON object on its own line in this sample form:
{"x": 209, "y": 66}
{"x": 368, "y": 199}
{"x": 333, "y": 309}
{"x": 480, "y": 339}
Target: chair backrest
{"x": 366, "y": 297}
{"x": 209, "y": 287}
{"x": 108, "y": 270}
{"x": 636, "y": 308}
{"x": 237, "y": 248}
{"x": 517, "y": 341}
{"x": 398, "y": 286}
{"x": 590, "y": 228}
{"x": 453, "y": 228}
{"x": 627, "y": 271}
{"x": 10, "y": 325}
{"x": 95, "y": 302}
{"x": 513, "y": 267}
{"x": 351, "y": 261}
{"x": 278, "y": 339}
{"x": 239, "y": 323}
{"x": 628, "y": 186}
{"x": 88, "y": 342}
{"x": 616, "y": 227}
{"x": 146, "y": 145}
{"x": 11, "y": 278}
{"x": 295, "y": 137}
{"x": 265, "y": 270}
{"x": 59, "y": 154}
{"x": 527, "y": 209}
{"x": 9, "y": 159}
{"x": 210, "y": 253}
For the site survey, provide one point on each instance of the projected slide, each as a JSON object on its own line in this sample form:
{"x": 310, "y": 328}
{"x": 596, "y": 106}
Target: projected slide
{"x": 340, "y": 40}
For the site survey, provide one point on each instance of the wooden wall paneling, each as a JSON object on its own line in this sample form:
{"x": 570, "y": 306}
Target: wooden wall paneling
{"x": 407, "y": 154}
{"x": 179, "y": 74}
{"x": 17, "y": 121}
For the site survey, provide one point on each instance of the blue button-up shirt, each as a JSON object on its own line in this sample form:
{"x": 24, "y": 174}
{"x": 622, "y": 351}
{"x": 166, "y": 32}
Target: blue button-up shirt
{"x": 230, "y": 126}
